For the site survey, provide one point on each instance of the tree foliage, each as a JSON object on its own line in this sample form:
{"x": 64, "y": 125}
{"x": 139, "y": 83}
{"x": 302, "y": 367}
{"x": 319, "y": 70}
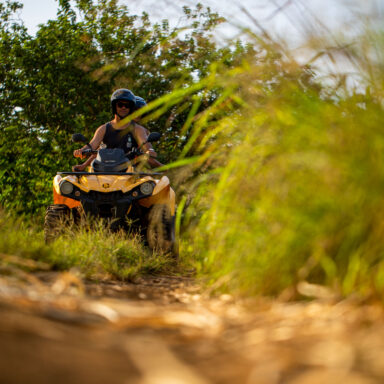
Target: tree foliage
{"x": 59, "y": 82}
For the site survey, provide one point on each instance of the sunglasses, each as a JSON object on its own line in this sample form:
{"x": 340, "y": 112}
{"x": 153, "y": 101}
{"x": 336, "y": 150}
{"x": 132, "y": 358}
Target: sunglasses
{"x": 122, "y": 104}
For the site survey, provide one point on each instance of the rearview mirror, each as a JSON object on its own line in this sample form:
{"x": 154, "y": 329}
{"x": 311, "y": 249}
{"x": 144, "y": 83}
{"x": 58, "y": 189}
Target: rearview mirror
{"x": 154, "y": 136}
{"x": 78, "y": 137}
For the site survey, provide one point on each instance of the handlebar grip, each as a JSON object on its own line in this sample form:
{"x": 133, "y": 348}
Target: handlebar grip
{"x": 88, "y": 152}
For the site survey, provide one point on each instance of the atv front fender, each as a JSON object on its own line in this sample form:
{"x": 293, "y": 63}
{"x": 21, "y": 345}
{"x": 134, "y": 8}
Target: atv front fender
{"x": 162, "y": 194}
{"x": 58, "y": 198}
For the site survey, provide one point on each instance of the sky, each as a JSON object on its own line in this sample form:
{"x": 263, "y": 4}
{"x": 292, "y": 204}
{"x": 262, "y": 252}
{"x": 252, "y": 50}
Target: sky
{"x": 296, "y": 18}
{"x": 292, "y": 21}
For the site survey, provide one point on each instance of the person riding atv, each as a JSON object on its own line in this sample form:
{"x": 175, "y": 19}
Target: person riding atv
{"x": 119, "y": 133}
{"x": 115, "y": 188}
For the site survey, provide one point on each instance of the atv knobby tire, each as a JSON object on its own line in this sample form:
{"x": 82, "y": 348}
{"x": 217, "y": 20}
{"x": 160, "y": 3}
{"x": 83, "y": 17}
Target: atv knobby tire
{"x": 56, "y": 217}
{"x": 161, "y": 230}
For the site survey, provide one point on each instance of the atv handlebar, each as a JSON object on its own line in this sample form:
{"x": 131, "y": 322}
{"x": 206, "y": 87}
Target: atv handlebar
{"x": 136, "y": 152}
{"x": 88, "y": 152}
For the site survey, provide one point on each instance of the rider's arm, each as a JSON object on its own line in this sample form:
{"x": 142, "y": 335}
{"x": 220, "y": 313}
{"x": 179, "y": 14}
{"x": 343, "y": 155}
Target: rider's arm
{"x": 81, "y": 167}
{"x": 94, "y": 143}
{"x": 141, "y": 135}
{"x": 154, "y": 163}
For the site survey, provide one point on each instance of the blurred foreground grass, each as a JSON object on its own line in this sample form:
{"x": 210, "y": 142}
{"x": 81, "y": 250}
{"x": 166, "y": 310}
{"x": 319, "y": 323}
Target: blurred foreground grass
{"x": 293, "y": 183}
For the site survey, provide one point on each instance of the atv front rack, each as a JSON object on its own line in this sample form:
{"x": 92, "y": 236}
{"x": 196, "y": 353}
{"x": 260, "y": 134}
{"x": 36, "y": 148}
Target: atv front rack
{"x": 109, "y": 173}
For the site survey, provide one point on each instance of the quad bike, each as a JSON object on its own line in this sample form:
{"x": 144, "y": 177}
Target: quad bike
{"x": 115, "y": 190}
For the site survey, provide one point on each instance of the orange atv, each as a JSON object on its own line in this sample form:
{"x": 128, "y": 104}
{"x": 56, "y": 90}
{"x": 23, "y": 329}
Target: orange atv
{"x": 114, "y": 189}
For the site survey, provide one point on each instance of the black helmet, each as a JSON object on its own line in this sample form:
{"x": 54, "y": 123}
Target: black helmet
{"x": 123, "y": 94}
{"x": 140, "y": 102}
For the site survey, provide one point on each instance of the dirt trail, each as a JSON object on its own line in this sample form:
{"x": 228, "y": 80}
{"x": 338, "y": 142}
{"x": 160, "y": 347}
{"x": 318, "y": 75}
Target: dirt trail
{"x": 56, "y": 328}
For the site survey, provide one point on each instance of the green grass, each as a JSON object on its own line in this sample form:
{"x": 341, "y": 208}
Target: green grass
{"x": 96, "y": 252}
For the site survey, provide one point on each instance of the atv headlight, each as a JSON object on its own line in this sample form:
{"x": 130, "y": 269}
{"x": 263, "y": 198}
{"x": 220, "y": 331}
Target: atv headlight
{"x": 66, "y": 188}
{"x": 146, "y": 188}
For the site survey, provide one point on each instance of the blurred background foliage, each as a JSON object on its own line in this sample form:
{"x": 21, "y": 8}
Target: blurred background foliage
{"x": 280, "y": 177}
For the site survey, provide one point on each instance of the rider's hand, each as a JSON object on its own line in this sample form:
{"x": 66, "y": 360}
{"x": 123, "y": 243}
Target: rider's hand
{"x": 79, "y": 153}
{"x": 79, "y": 168}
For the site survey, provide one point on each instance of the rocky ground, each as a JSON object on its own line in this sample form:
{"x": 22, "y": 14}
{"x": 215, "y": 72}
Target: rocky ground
{"x": 59, "y": 328}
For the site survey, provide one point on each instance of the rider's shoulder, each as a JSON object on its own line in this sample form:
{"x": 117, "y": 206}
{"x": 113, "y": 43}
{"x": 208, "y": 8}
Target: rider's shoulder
{"x": 137, "y": 127}
{"x": 102, "y": 128}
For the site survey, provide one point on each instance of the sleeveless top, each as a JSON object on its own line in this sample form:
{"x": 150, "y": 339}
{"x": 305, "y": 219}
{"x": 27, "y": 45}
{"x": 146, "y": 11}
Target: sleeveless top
{"x": 115, "y": 138}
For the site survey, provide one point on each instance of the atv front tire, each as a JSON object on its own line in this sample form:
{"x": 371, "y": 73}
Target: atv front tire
{"x": 56, "y": 217}
{"x": 161, "y": 230}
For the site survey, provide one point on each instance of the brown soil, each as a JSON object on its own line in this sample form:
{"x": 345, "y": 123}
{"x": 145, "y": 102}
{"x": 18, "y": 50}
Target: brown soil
{"x": 56, "y": 328}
